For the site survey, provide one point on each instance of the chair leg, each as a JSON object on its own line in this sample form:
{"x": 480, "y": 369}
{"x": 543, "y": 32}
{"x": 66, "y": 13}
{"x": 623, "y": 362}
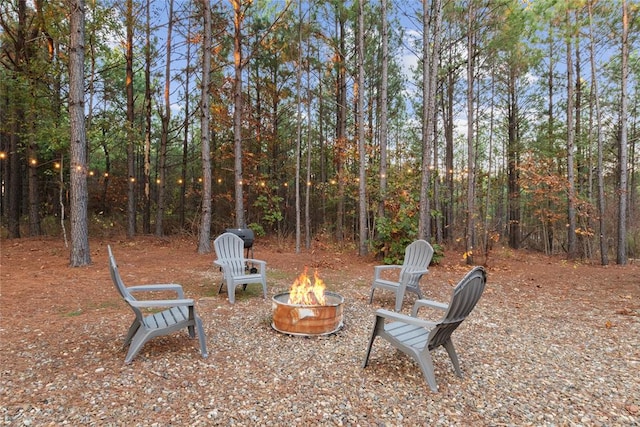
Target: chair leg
{"x": 453, "y": 356}
{"x": 201, "y": 337}
{"x": 131, "y": 333}
{"x": 399, "y": 299}
{"x": 136, "y": 344}
{"x": 426, "y": 365}
{"x": 379, "y": 324}
{"x": 190, "y": 328}
{"x": 371, "y": 296}
{"x": 231, "y": 290}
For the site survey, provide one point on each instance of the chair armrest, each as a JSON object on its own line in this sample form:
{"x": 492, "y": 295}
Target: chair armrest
{"x": 256, "y": 261}
{"x": 427, "y": 303}
{"x": 158, "y": 287}
{"x": 161, "y": 303}
{"x": 399, "y": 317}
{"x": 378, "y": 269}
{"x": 416, "y": 272}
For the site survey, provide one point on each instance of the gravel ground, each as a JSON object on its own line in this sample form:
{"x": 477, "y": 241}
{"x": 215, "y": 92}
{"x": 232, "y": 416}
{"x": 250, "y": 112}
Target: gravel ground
{"x": 550, "y": 344}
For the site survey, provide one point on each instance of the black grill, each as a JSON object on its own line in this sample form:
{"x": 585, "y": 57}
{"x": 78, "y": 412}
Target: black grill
{"x": 246, "y": 234}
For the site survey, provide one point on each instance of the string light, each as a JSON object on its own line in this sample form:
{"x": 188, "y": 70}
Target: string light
{"x": 33, "y": 162}
{"x": 56, "y": 165}
{"x": 3, "y": 155}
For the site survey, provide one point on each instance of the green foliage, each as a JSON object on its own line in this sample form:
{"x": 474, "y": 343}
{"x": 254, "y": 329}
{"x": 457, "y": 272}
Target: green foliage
{"x": 257, "y": 229}
{"x": 269, "y": 204}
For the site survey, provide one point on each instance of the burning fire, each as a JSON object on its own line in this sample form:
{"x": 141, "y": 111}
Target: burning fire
{"x": 304, "y": 293}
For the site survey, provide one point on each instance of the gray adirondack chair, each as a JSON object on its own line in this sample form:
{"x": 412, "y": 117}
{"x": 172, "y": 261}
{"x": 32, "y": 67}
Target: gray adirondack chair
{"x": 235, "y": 267}
{"x": 417, "y": 257}
{"x": 178, "y": 314}
{"x": 417, "y": 337}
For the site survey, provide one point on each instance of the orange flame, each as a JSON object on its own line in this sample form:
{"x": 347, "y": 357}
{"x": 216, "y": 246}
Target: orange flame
{"x": 303, "y": 292}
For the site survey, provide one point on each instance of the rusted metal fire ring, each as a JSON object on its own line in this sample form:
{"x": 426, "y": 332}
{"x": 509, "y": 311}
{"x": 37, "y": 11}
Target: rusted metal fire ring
{"x": 307, "y": 320}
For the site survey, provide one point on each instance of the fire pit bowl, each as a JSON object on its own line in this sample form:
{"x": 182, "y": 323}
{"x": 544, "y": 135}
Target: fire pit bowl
{"x": 307, "y": 320}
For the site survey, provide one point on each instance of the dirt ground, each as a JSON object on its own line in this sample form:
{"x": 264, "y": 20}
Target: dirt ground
{"x": 50, "y": 312}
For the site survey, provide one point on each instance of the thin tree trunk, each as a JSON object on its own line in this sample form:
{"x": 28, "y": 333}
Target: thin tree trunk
{"x": 550, "y": 137}
{"x": 424, "y": 228}
{"x": 164, "y": 138}
{"x": 362, "y": 194}
{"x": 513, "y": 166}
{"x": 131, "y": 193}
{"x": 237, "y": 111}
{"x": 298, "y": 131}
{"x": 470, "y": 231}
{"x": 80, "y": 254}
{"x": 204, "y": 245}
{"x": 623, "y": 189}
{"x": 571, "y": 196}
{"x": 187, "y": 120}
{"x": 384, "y": 126}
{"x": 341, "y": 131}
{"x": 307, "y": 202}
{"x": 32, "y": 165}
{"x": 146, "y": 212}
{"x": 604, "y": 247}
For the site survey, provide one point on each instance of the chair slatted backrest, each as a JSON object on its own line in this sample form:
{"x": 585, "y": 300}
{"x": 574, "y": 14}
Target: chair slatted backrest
{"x": 465, "y": 297}
{"x": 417, "y": 256}
{"x": 120, "y": 286}
{"x": 115, "y": 276}
{"x": 230, "y": 250}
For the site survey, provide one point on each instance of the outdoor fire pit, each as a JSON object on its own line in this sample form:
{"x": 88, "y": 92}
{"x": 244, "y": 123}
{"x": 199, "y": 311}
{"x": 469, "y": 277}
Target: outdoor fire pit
{"x": 307, "y": 309}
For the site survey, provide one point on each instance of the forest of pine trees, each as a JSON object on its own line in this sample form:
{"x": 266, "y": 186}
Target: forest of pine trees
{"x": 466, "y": 123}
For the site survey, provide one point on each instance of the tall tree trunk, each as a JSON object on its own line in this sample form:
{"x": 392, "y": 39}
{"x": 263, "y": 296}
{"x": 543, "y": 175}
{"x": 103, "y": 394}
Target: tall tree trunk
{"x": 384, "y": 126}
{"x": 298, "y": 131}
{"x": 238, "y": 16}
{"x": 447, "y": 112}
{"x": 604, "y": 247}
{"x": 513, "y": 168}
{"x": 622, "y": 167}
{"x": 571, "y": 194}
{"x": 187, "y": 120}
{"x": 549, "y": 226}
{"x": 341, "y": 123}
{"x": 431, "y": 20}
{"x": 471, "y": 175}
{"x": 307, "y": 201}
{"x": 14, "y": 177}
{"x": 131, "y": 193}
{"x": 204, "y": 245}
{"x": 32, "y": 167}
{"x": 16, "y": 154}
{"x": 164, "y": 137}
{"x": 80, "y": 254}
{"x": 146, "y": 211}
{"x": 362, "y": 184}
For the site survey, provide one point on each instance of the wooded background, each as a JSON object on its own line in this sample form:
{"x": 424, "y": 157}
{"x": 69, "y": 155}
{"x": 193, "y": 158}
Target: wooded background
{"x": 467, "y": 123}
